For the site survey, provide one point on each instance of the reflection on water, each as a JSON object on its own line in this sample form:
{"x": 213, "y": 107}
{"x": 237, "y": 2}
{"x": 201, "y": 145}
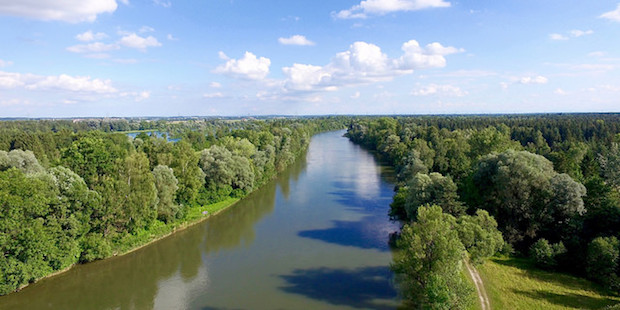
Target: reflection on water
{"x": 314, "y": 238}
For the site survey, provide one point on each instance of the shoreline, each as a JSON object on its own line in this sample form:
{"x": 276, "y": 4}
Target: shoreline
{"x": 181, "y": 226}
{"x": 225, "y": 204}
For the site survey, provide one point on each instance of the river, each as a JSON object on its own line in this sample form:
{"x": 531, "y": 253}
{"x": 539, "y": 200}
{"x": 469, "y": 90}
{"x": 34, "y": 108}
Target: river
{"x": 314, "y": 238}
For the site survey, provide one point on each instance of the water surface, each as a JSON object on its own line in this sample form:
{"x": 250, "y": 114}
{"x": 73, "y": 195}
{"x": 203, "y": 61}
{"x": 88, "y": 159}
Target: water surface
{"x": 315, "y": 238}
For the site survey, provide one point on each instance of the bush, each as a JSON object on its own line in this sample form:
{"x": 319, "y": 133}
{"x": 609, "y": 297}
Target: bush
{"x": 545, "y": 254}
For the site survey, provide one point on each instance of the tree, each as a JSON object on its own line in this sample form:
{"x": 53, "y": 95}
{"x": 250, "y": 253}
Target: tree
{"x": 166, "y": 185}
{"x": 22, "y": 160}
{"x": 188, "y": 173}
{"x": 479, "y": 235}
{"x": 141, "y": 200}
{"x": 545, "y": 254}
{"x": 525, "y": 195}
{"x": 610, "y": 166}
{"x": 602, "y": 261}
{"x": 434, "y": 188}
{"x": 430, "y": 263}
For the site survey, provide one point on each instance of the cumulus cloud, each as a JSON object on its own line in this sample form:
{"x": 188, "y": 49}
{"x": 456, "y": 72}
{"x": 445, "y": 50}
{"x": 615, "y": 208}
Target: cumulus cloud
{"x": 558, "y": 37}
{"x": 90, "y": 36}
{"x": 171, "y": 37}
{"x": 534, "y": 80}
{"x": 612, "y": 15}
{"x": 215, "y": 85}
{"x": 435, "y": 89}
{"x": 213, "y": 95}
{"x": 133, "y": 40}
{"x": 381, "y": 7}
{"x": 162, "y": 3}
{"x": 570, "y": 34}
{"x": 53, "y": 82}
{"x": 96, "y": 47}
{"x": 5, "y": 63}
{"x": 365, "y": 63}
{"x": 296, "y": 40}
{"x": 73, "y": 11}
{"x": 248, "y": 67}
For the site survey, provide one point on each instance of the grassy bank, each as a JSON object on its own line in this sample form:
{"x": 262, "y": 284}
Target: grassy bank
{"x": 514, "y": 283}
{"x": 132, "y": 242}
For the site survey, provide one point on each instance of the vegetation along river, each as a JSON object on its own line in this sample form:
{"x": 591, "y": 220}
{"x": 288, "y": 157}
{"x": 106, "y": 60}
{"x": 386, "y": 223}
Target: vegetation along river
{"x": 314, "y": 238}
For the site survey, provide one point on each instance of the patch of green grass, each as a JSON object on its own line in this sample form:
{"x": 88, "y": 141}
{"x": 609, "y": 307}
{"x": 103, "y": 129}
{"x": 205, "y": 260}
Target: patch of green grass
{"x": 196, "y": 213}
{"x": 514, "y": 283}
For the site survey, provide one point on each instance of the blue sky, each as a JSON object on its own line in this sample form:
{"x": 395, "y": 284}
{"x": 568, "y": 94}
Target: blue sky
{"x": 71, "y": 58}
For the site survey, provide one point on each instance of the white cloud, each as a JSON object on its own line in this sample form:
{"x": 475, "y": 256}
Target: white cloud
{"x": 162, "y": 3}
{"x": 145, "y": 29}
{"x": 171, "y": 37}
{"x": 365, "y": 63}
{"x": 72, "y": 11}
{"x": 435, "y": 89}
{"x": 560, "y": 92}
{"x": 74, "y": 84}
{"x": 579, "y": 33}
{"x": 96, "y": 47}
{"x": 90, "y": 36}
{"x": 213, "y": 95}
{"x": 597, "y": 54}
{"x": 143, "y": 95}
{"x": 533, "y": 80}
{"x": 356, "y": 95}
{"x": 558, "y": 37}
{"x": 248, "y": 67}
{"x": 381, "y": 7}
{"x": 135, "y": 41}
{"x": 570, "y": 34}
{"x": 5, "y": 63}
{"x": 296, "y": 40}
{"x": 215, "y": 85}
{"x": 612, "y": 15}
{"x": 61, "y": 82}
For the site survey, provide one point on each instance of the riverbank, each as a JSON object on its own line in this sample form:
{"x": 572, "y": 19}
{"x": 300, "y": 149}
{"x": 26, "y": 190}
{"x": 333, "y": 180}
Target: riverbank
{"x": 514, "y": 283}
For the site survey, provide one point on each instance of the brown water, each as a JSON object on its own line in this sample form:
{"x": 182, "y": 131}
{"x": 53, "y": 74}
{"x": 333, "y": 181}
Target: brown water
{"x": 315, "y": 238}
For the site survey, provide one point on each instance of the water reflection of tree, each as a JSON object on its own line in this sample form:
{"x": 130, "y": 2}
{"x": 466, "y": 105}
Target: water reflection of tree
{"x": 235, "y": 226}
{"x": 132, "y": 281}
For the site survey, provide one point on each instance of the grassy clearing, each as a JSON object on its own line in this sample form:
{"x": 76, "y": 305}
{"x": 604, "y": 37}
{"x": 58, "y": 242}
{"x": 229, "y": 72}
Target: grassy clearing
{"x": 514, "y": 283}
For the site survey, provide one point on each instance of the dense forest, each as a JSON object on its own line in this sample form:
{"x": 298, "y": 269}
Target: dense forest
{"x": 549, "y": 183}
{"x": 78, "y": 191}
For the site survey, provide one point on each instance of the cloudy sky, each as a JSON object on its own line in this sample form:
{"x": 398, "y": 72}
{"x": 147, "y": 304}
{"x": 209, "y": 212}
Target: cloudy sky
{"x": 64, "y": 58}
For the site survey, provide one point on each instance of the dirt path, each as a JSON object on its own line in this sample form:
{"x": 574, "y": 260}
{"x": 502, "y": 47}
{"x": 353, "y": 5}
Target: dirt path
{"x": 482, "y": 293}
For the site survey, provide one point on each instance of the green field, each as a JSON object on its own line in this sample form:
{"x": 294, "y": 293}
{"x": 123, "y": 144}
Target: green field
{"x": 514, "y": 283}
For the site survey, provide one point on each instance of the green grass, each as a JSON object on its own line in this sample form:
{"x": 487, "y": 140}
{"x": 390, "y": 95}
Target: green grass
{"x": 514, "y": 283}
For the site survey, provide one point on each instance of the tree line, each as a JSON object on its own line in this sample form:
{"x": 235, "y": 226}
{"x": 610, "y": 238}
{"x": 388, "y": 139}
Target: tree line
{"x": 69, "y": 195}
{"x": 549, "y": 183}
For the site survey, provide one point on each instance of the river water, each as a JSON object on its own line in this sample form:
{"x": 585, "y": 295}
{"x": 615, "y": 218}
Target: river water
{"x": 314, "y": 238}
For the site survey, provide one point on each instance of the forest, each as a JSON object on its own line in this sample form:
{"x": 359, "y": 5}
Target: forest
{"x": 546, "y": 187}
{"x": 77, "y": 191}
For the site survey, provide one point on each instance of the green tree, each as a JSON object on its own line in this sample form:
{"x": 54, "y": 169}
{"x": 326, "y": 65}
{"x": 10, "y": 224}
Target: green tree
{"x": 166, "y": 184}
{"x": 545, "y": 254}
{"x": 602, "y": 261}
{"x": 479, "y": 235}
{"x": 525, "y": 195}
{"x": 426, "y": 189}
{"x": 187, "y": 172}
{"x": 430, "y": 262}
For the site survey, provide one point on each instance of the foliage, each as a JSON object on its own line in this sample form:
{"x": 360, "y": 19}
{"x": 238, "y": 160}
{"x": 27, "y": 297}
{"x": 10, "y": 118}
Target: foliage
{"x": 602, "y": 261}
{"x": 479, "y": 235}
{"x": 544, "y": 254}
{"x": 430, "y": 263}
